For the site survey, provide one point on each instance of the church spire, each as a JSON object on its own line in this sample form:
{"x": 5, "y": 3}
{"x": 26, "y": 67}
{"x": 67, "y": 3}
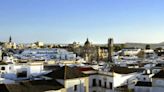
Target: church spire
{"x": 10, "y": 39}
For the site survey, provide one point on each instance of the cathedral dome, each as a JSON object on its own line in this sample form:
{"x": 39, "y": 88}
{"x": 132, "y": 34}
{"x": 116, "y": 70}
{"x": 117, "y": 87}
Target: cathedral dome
{"x": 87, "y": 43}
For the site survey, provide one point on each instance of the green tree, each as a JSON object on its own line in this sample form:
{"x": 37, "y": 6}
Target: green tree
{"x": 147, "y": 46}
{"x": 122, "y": 46}
{"x": 1, "y": 43}
{"x": 117, "y": 48}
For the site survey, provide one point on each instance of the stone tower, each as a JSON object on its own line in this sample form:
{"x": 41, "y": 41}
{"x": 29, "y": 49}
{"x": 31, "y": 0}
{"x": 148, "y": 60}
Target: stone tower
{"x": 87, "y": 51}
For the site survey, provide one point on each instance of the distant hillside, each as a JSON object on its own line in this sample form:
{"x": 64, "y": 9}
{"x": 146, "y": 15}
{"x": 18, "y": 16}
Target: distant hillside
{"x": 162, "y": 43}
{"x": 142, "y": 45}
{"x": 137, "y": 45}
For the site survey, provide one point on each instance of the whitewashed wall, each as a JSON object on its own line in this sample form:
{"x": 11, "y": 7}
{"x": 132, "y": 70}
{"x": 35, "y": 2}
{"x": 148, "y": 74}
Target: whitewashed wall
{"x": 82, "y": 85}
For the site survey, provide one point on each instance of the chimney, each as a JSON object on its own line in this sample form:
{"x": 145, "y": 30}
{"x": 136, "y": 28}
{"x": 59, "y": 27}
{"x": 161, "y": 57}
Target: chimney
{"x": 110, "y": 49}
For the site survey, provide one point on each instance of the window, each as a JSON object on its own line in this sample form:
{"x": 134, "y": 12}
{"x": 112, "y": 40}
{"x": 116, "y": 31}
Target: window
{"x": 22, "y": 74}
{"x": 110, "y": 85}
{"x": 94, "y": 82}
{"x": 100, "y": 83}
{"x": 105, "y": 85}
{"x": 2, "y": 68}
{"x": 75, "y": 88}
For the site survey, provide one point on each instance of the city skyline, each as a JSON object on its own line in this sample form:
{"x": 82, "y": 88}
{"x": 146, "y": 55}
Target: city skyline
{"x": 65, "y": 21}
